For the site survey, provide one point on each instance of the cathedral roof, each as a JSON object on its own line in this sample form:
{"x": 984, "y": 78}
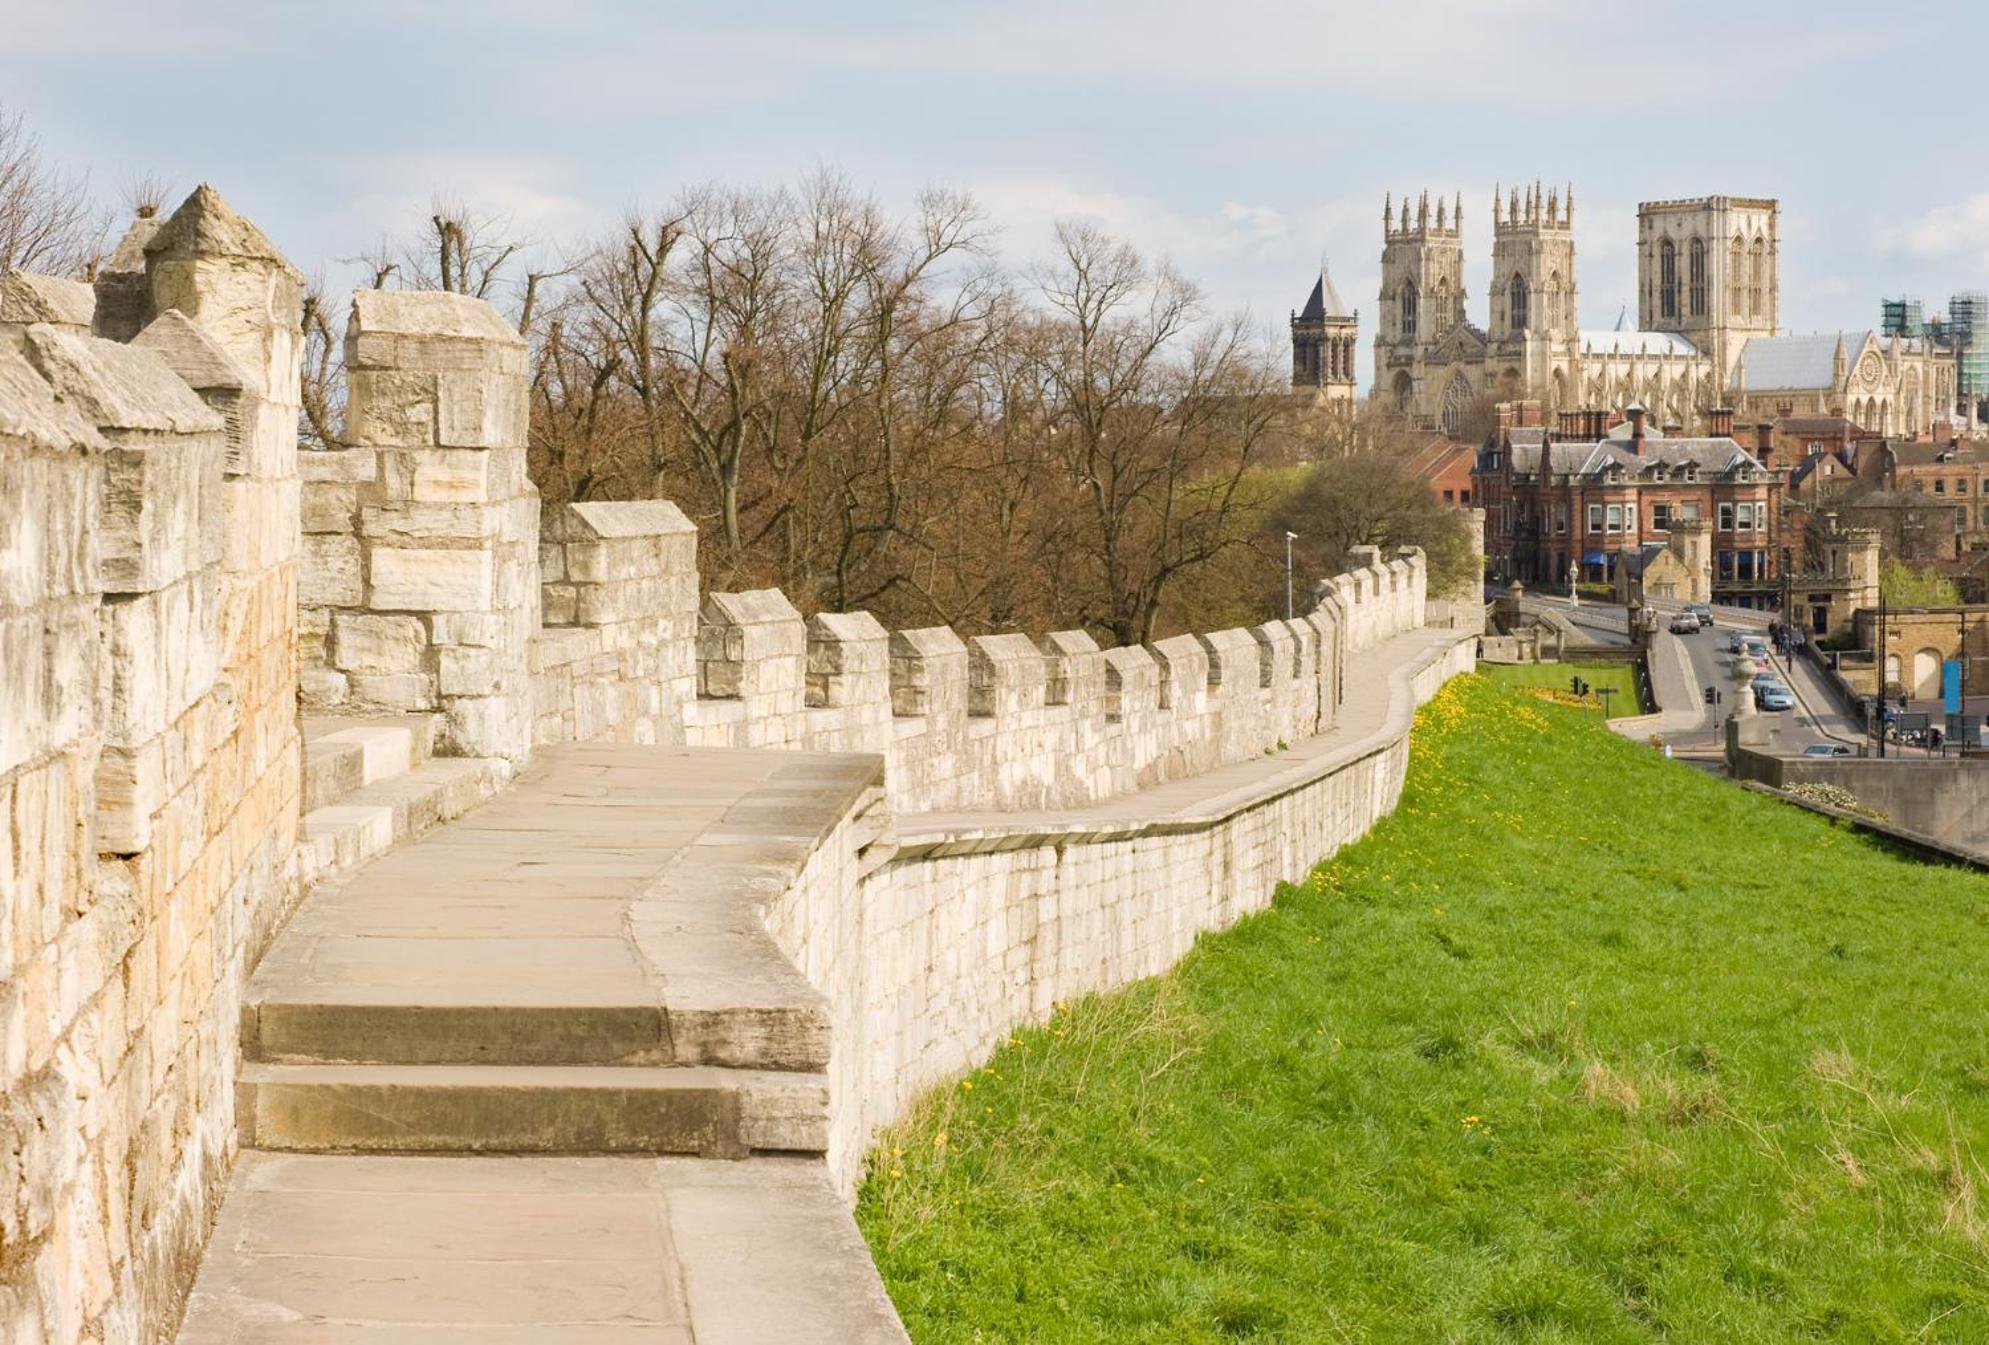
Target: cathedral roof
{"x": 1770, "y": 363}
{"x": 1325, "y": 301}
{"x": 1622, "y": 342}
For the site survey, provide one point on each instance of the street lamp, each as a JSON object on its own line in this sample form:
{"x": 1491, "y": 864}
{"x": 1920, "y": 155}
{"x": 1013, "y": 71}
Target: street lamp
{"x": 1290, "y": 537}
{"x": 1574, "y": 572}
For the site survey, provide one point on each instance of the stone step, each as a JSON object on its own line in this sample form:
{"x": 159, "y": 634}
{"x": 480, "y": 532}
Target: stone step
{"x": 283, "y": 1025}
{"x": 343, "y": 754}
{"x": 543, "y": 1109}
{"x": 374, "y": 818}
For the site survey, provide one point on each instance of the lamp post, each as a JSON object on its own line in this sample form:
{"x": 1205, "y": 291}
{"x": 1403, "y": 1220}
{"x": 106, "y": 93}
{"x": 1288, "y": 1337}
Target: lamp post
{"x": 1290, "y": 537}
{"x": 1574, "y": 594}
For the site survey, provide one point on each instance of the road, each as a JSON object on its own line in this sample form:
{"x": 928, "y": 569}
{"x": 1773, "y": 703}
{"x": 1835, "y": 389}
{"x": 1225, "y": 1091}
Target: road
{"x": 1683, "y": 666}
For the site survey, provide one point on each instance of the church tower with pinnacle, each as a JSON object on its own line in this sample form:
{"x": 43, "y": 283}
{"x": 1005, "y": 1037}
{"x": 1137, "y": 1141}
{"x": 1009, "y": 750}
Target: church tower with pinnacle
{"x": 1322, "y": 346}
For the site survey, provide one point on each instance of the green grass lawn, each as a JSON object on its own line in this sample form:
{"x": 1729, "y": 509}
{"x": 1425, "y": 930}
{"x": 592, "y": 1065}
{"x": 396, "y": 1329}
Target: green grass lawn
{"x": 1621, "y": 677}
{"x": 1579, "y": 1045}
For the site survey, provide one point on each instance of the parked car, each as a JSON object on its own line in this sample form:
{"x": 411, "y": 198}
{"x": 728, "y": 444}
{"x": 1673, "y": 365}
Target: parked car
{"x": 1683, "y": 624}
{"x": 1826, "y": 750}
{"x": 1774, "y": 696}
{"x": 1703, "y": 612}
{"x": 1735, "y": 641}
{"x": 1755, "y": 647}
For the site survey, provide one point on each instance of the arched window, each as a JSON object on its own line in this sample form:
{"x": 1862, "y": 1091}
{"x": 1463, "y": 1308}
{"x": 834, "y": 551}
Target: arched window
{"x": 1456, "y": 401}
{"x": 1556, "y": 308}
{"x": 1757, "y": 279}
{"x": 1408, "y": 308}
{"x": 1696, "y": 277}
{"x": 1667, "y": 279}
{"x": 1518, "y": 310}
{"x": 1440, "y": 318}
{"x": 1405, "y": 389}
{"x": 1736, "y": 278}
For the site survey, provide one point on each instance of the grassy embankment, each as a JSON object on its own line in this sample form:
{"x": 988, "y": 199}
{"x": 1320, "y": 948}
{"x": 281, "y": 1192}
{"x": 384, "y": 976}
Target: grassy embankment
{"x": 1579, "y": 1045}
{"x": 1619, "y": 677}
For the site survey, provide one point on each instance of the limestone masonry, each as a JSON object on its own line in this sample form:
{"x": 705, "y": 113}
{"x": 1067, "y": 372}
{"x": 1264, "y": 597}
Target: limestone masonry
{"x": 232, "y": 672}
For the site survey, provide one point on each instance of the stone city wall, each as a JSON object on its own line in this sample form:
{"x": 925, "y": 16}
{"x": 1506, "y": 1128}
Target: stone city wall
{"x": 149, "y": 758}
{"x": 1015, "y": 722}
{"x": 421, "y": 585}
{"x": 932, "y": 958}
{"x": 176, "y": 580}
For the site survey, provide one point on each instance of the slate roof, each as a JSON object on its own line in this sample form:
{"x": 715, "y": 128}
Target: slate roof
{"x": 1711, "y": 457}
{"x": 1325, "y": 301}
{"x": 1769, "y": 363}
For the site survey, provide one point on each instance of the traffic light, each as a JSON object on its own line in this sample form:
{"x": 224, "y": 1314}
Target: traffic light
{"x": 1709, "y": 695}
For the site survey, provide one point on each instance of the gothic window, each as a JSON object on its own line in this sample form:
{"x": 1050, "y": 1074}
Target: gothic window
{"x": 1408, "y": 308}
{"x": 1404, "y": 390}
{"x": 1667, "y": 280}
{"x": 1440, "y": 318}
{"x": 1456, "y": 401}
{"x": 1696, "y": 277}
{"x": 1757, "y": 274}
{"x": 1518, "y": 310}
{"x": 1736, "y": 278}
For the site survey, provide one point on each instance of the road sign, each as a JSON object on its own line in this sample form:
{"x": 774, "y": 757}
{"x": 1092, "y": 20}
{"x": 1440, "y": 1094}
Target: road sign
{"x": 1951, "y": 686}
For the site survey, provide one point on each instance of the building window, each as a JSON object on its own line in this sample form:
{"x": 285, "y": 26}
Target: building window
{"x": 1560, "y": 516}
{"x": 1689, "y": 509}
{"x": 1736, "y": 278}
{"x": 1697, "y": 275}
{"x": 1726, "y": 517}
{"x": 1449, "y": 497}
{"x": 1408, "y": 308}
{"x": 1726, "y": 564}
{"x": 1757, "y": 279}
{"x": 1518, "y": 295}
{"x": 1660, "y": 518}
{"x": 1595, "y": 518}
{"x": 1940, "y": 485}
{"x": 1667, "y": 288}
{"x": 1615, "y": 518}
{"x": 1744, "y": 518}
{"x": 1464, "y": 497}
{"x": 1744, "y": 569}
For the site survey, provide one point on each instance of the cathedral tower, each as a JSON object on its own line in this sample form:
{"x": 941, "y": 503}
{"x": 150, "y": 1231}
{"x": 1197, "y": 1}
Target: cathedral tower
{"x": 1422, "y": 290}
{"x": 1533, "y": 266}
{"x": 1709, "y": 269}
{"x": 1322, "y": 345}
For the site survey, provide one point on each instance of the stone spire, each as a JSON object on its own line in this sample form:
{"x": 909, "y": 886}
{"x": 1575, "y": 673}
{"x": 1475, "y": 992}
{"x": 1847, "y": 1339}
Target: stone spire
{"x": 1387, "y": 211}
{"x": 1497, "y": 189}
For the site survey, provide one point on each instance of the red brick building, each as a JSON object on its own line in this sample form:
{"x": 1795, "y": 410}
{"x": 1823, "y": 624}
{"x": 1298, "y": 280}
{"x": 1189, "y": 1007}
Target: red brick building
{"x": 1447, "y": 466}
{"x": 1586, "y": 496}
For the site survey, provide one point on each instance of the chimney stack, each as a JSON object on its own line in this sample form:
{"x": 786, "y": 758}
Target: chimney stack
{"x": 1719, "y": 422}
{"x": 1636, "y": 413}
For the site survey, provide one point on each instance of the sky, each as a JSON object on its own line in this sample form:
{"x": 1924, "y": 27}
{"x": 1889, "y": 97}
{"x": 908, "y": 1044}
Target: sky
{"x": 1246, "y": 140}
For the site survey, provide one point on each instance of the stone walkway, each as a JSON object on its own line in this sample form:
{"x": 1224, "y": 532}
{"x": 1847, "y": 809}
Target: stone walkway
{"x": 578, "y": 967}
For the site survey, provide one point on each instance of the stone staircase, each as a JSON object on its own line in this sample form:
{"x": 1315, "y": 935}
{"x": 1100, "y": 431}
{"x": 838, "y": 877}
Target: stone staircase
{"x": 372, "y": 783}
{"x": 577, "y": 972}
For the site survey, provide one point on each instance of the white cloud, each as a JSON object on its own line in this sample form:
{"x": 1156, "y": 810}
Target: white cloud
{"x": 1958, "y": 232}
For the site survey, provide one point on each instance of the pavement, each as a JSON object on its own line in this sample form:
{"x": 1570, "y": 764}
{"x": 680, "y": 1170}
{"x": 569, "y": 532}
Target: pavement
{"x": 464, "y": 1064}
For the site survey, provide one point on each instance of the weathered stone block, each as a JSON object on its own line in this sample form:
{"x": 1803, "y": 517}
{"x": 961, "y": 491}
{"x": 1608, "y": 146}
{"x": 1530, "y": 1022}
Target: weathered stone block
{"x": 390, "y": 408}
{"x": 429, "y": 580}
{"x": 329, "y": 573}
{"x": 370, "y": 643}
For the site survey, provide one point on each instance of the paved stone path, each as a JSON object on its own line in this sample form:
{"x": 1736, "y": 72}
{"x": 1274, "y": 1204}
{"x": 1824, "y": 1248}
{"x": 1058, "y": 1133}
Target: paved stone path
{"x": 578, "y": 967}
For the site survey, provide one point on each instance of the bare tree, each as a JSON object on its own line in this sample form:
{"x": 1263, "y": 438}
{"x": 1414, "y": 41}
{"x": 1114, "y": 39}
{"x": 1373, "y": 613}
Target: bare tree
{"x": 1158, "y": 420}
{"x": 48, "y": 221}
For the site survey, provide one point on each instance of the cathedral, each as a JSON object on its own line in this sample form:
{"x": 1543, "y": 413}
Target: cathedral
{"x": 1707, "y": 337}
